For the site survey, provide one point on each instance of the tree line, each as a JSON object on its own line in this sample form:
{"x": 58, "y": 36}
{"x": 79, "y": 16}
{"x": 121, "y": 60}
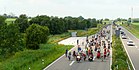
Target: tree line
{"x": 29, "y": 34}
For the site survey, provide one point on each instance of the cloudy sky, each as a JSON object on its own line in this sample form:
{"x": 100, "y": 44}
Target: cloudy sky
{"x": 86, "y": 8}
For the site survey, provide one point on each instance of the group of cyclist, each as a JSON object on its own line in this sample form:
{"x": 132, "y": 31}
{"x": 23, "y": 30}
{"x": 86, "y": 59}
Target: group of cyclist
{"x": 94, "y": 48}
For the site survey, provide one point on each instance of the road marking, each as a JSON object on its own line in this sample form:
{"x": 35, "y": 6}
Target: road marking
{"x": 71, "y": 63}
{"x": 88, "y": 69}
{"x": 129, "y": 38}
{"x": 127, "y": 53}
{"x": 136, "y": 46}
{"x": 129, "y": 46}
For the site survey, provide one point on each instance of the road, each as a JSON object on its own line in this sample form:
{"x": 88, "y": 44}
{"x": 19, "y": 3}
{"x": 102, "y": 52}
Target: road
{"x": 64, "y": 64}
{"x": 132, "y": 51}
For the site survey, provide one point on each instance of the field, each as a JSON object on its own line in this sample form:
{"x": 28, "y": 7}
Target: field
{"x": 11, "y": 20}
{"x": 107, "y": 22}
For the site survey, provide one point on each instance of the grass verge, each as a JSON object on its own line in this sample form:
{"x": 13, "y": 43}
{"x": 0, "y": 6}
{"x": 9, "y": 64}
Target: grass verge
{"x": 133, "y": 28}
{"x": 56, "y": 38}
{"x": 33, "y": 58}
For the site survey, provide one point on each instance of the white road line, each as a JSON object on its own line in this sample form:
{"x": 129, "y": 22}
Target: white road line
{"x": 71, "y": 63}
{"x": 136, "y": 46}
{"x": 127, "y": 54}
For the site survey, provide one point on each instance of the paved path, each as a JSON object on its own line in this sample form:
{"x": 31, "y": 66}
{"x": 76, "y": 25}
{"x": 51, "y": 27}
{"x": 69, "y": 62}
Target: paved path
{"x": 64, "y": 64}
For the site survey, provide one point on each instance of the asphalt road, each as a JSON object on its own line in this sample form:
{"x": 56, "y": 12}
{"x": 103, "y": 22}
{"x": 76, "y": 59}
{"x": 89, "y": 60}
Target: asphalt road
{"x": 64, "y": 64}
{"x": 132, "y": 51}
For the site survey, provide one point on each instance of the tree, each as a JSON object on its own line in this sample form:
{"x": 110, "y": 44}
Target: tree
{"x": 129, "y": 21}
{"x": 97, "y": 21}
{"x": 2, "y": 20}
{"x": 35, "y": 35}
{"x": 23, "y": 23}
{"x": 106, "y": 19}
{"x": 118, "y": 19}
{"x": 10, "y": 39}
{"x": 94, "y": 22}
{"x": 101, "y": 21}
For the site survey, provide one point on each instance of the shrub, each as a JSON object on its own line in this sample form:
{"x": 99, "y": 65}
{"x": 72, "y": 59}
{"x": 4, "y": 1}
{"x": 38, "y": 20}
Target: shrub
{"x": 36, "y": 35}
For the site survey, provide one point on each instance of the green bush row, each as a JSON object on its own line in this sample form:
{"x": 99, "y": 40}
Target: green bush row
{"x": 90, "y": 31}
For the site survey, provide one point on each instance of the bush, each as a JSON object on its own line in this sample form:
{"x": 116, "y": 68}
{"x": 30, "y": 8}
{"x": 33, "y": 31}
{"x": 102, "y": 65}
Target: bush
{"x": 36, "y": 35}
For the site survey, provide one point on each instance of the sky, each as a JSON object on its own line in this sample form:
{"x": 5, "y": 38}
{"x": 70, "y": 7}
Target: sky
{"x": 87, "y": 8}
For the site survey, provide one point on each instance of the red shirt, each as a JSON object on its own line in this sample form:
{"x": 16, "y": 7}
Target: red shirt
{"x": 105, "y": 52}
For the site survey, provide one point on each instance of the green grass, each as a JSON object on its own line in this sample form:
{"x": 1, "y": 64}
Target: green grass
{"x": 107, "y": 22}
{"x": 10, "y": 20}
{"x": 133, "y": 28}
{"x": 33, "y": 58}
{"x": 119, "y": 56}
{"x": 135, "y": 23}
{"x": 57, "y": 38}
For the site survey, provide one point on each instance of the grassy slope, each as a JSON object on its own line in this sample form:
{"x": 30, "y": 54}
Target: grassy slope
{"x": 57, "y": 38}
{"x": 33, "y": 58}
{"x": 133, "y": 28}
